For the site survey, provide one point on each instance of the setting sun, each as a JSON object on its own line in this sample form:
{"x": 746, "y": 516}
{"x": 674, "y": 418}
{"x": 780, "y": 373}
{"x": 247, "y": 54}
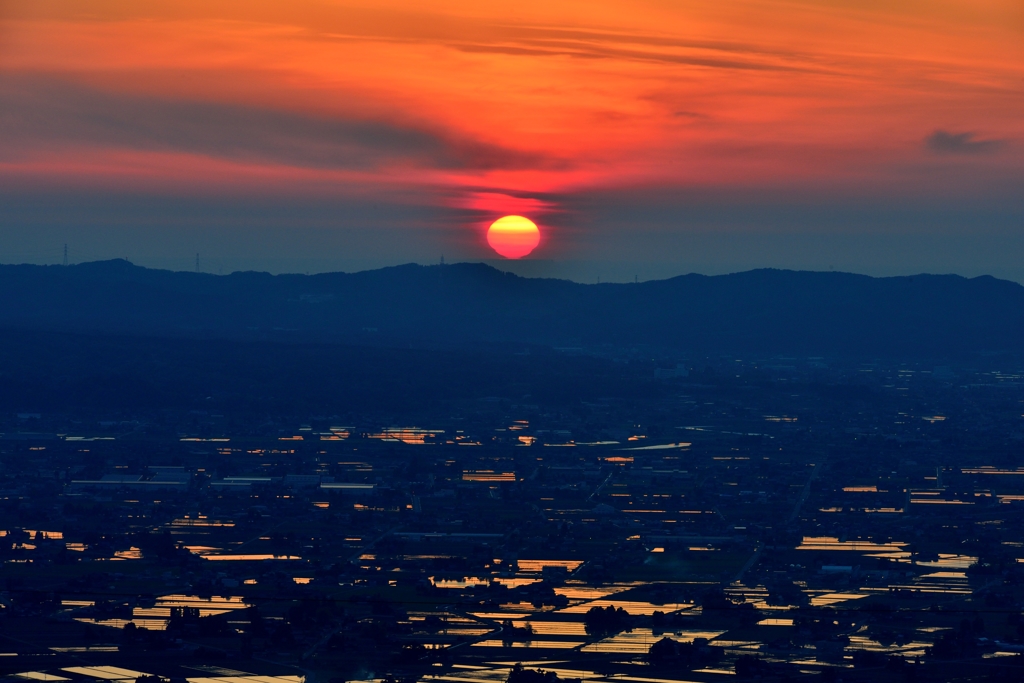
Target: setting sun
{"x": 513, "y": 236}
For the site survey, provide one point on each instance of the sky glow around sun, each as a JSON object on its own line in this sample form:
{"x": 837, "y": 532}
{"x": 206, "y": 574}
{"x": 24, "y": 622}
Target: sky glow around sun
{"x": 614, "y": 122}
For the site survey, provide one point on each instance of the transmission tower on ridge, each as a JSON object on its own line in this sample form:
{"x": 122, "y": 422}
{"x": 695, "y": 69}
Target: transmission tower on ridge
{"x": 65, "y": 254}
{"x": 197, "y": 262}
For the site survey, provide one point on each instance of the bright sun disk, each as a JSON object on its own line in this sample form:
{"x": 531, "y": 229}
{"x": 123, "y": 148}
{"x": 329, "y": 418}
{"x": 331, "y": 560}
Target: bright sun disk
{"x": 513, "y": 236}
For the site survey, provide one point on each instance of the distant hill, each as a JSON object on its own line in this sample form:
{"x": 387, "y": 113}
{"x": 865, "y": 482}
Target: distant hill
{"x": 759, "y": 311}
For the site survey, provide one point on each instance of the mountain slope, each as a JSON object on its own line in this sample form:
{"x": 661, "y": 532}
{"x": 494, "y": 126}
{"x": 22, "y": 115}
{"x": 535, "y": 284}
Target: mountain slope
{"x": 769, "y": 311}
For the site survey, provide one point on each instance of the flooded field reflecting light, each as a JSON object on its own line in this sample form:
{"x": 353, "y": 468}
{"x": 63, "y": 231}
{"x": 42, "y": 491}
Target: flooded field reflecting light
{"x": 470, "y": 581}
{"x": 632, "y": 606}
{"x": 950, "y": 561}
{"x": 590, "y": 592}
{"x": 639, "y": 640}
{"x": 537, "y": 566}
{"x": 558, "y": 628}
{"x": 531, "y": 644}
{"x": 155, "y": 618}
{"x": 835, "y": 598}
{"x": 833, "y": 543}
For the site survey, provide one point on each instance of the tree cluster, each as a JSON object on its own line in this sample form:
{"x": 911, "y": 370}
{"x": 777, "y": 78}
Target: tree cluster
{"x": 603, "y": 622}
{"x": 670, "y": 653}
{"x": 520, "y": 675}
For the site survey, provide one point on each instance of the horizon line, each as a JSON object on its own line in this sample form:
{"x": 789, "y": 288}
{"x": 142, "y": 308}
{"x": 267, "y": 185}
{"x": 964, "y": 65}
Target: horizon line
{"x": 495, "y": 265}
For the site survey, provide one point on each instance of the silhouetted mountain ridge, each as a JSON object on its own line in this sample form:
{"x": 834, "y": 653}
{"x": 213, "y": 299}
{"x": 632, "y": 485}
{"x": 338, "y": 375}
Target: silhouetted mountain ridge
{"x": 770, "y": 311}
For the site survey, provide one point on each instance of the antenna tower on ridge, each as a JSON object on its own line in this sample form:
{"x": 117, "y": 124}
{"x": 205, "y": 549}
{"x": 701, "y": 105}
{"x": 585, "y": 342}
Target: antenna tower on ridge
{"x": 197, "y": 261}
{"x": 65, "y": 254}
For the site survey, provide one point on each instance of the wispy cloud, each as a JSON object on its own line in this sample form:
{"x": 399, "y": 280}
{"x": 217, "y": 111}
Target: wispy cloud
{"x": 944, "y": 142}
{"x": 591, "y": 51}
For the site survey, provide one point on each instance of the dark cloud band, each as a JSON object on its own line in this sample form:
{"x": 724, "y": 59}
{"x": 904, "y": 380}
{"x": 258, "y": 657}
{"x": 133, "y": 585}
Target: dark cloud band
{"x": 944, "y": 142}
{"x": 50, "y": 113}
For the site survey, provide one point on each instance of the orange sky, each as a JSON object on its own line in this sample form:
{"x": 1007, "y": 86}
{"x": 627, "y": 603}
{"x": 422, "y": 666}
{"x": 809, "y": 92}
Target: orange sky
{"x": 524, "y": 107}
